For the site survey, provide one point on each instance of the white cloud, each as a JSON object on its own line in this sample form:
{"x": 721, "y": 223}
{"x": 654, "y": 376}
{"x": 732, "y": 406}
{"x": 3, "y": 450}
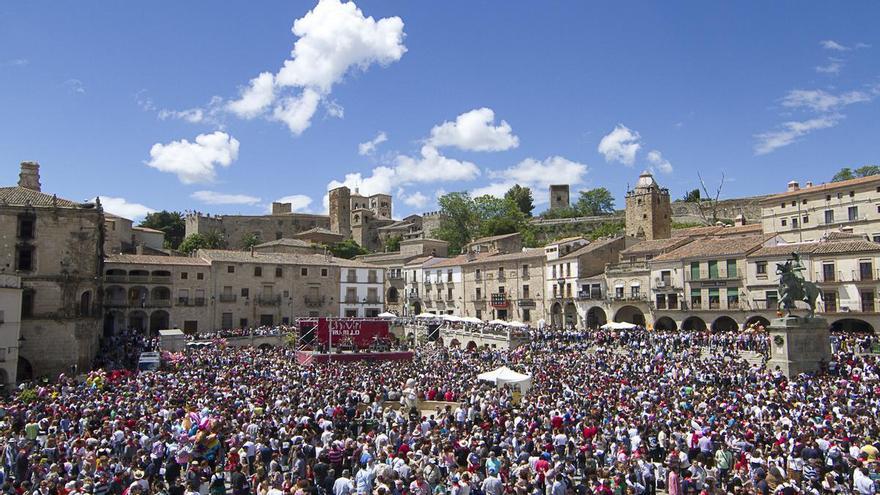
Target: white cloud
{"x": 822, "y": 101}
{"x": 334, "y": 38}
{"x": 475, "y": 131}
{"x": 656, "y": 159}
{"x": 789, "y": 132}
{"x": 218, "y": 198}
{"x": 620, "y": 145}
{"x": 297, "y": 111}
{"x": 15, "y": 62}
{"x": 832, "y": 67}
{"x": 298, "y": 202}
{"x": 369, "y": 147}
{"x": 833, "y": 45}
{"x": 191, "y": 115}
{"x": 416, "y": 199}
{"x": 75, "y": 86}
{"x": 431, "y": 166}
{"x": 334, "y": 109}
{"x": 121, "y": 207}
{"x": 195, "y": 162}
{"x": 535, "y": 174}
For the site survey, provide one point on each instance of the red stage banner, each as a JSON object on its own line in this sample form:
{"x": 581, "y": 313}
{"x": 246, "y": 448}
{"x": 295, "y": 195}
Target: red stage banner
{"x": 361, "y": 332}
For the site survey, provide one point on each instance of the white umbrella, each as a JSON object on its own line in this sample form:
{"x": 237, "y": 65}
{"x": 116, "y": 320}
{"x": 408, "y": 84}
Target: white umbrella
{"x": 471, "y": 319}
{"x": 387, "y": 315}
{"x": 451, "y": 318}
{"x": 426, "y": 315}
{"x": 517, "y": 324}
{"x": 498, "y": 322}
{"x": 618, "y": 325}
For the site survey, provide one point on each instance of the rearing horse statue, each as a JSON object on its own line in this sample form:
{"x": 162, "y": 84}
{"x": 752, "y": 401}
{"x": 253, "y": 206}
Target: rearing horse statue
{"x": 793, "y": 287}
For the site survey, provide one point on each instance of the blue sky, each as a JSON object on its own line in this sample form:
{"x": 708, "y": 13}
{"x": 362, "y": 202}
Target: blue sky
{"x": 152, "y": 106}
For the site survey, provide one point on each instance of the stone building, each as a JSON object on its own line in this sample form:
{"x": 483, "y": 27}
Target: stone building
{"x": 10, "y": 329}
{"x": 505, "y": 286}
{"x": 560, "y": 196}
{"x": 121, "y": 236}
{"x": 648, "y": 210}
{"x": 56, "y": 247}
{"x": 235, "y": 229}
{"x": 803, "y": 214}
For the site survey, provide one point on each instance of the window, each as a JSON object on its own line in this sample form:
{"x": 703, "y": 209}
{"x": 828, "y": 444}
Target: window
{"x": 351, "y": 276}
{"x": 696, "y": 299}
{"x": 372, "y": 277}
{"x": 853, "y": 213}
{"x": 25, "y": 261}
{"x": 672, "y": 301}
{"x": 553, "y": 271}
{"x": 828, "y": 272}
{"x": 226, "y": 321}
{"x": 525, "y": 270}
{"x": 278, "y": 235}
{"x": 242, "y": 323}
{"x": 568, "y": 269}
{"x": 527, "y": 315}
{"x": 26, "y": 222}
{"x": 230, "y": 269}
{"x": 635, "y": 291}
{"x": 731, "y": 268}
{"x": 713, "y": 269}
{"x": 868, "y": 301}
{"x": 480, "y": 314}
{"x": 525, "y": 291}
{"x": 278, "y": 272}
{"x": 695, "y": 270}
{"x": 351, "y": 295}
{"x": 449, "y": 293}
{"x": 286, "y": 294}
{"x": 804, "y": 201}
{"x": 661, "y": 301}
{"x": 772, "y": 299}
{"x": 258, "y": 271}
{"x": 732, "y": 299}
{"x": 304, "y": 272}
{"x": 827, "y": 197}
{"x": 852, "y": 194}
{"x": 784, "y": 222}
{"x": 323, "y": 272}
{"x": 479, "y": 294}
{"x": 866, "y": 270}
{"x": 372, "y": 295}
{"x": 477, "y": 274}
{"x": 829, "y": 216}
{"x": 761, "y": 268}
{"x": 200, "y": 276}
{"x": 27, "y": 303}
{"x": 875, "y": 237}
{"x": 830, "y": 298}
{"x": 806, "y": 219}
{"x": 449, "y": 275}
{"x": 782, "y": 205}
{"x": 714, "y": 298}
{"x": 245, "y": 292}
{"x": 184, "y": 275}
{"x": 618, "y": 292}
{"x": 794, "y": 222}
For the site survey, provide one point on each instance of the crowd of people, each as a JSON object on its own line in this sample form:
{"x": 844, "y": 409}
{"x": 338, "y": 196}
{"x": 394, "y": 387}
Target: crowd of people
{"x": 607, "y": 413}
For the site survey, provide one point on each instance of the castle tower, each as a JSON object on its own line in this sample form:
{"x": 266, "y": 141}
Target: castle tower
{"x": 559, "y": 196}
{"x": 648, "y": 210}
{"x": 29, "y": 177}
{"x": 380, "y": 204}
{"x": 340, "y": 210}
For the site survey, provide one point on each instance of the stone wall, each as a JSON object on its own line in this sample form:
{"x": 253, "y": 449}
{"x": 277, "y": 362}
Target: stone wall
{"x": 234, "y": 228}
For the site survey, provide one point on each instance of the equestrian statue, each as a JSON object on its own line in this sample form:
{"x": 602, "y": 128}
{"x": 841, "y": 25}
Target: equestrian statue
{"x": 793, "y": 287}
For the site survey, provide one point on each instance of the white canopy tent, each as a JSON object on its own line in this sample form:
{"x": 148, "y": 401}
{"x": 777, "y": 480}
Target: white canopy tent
{"x": 498, "y": 322}
{"x": 517, "y": 324}
{"x": 426, "y": 315}
{"x": 618, "y": 325}
{"x": 506, "y": 376}
{"x": 472, "y": 319}
{"x": 387, "y": 315}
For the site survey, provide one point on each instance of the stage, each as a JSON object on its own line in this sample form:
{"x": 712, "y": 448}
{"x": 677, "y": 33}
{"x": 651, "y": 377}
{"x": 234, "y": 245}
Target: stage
{"x": 310, "y": 357}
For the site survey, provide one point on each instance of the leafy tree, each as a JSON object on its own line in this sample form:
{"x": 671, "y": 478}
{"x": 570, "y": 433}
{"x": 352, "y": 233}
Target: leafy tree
{"x": 498, "y": 216}
{"x": 193, "y": 242}
{"x": 692, "y": 196}
{"x": 393, "y": 243}
{"x": 522, "y": 196}
{"x": 347, "y": 249}
{"x": 250, "y": 240}
{"x": 607, "y": 229}
{"x": 169, "y": 222}
{"x": 214, "y": 240}
{"x": 595, "y": 202}
{"x": 847, "y": 173}
{"x": 460, "y": 220}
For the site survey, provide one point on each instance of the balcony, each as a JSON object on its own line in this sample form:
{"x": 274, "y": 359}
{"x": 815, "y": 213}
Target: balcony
{"x": 373, "y": 280}
{"x": 589, "y": 295}
{"x": 157, "y": 279}
{"x": 499, "y": 300}
{"x": 526, "y": 302}
{"x": 711, "y": 277}
{"x": 314, "y": 301}
{"x": 664, "y": 284}
{"x": 138, "y": 279}
{"x": 115, "y": 279}
{"x": 158, "y": 303}
{"x": 115, "y": 303}
{"x": 395, "y": 276}
{"x": 630, "y": 298}
{"x": 268, "y": 300}
{"x": 227, "y": 298}
{"x": 626, "y": 267}
{"x": 351, "y": 280}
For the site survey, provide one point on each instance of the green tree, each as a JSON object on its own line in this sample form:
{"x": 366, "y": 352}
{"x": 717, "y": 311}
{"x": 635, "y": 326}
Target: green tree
{"x": 460, "y": 220}
{"x": 214, "y": 240}
{"x": 347, "y": 249}
{"x": 250, "y": 240}
{"x": 522, "y": 196}
{"x": 595, "y": 202}
{"x": 692, "y": 196}
{"x": 193, "y": 242}
{"x": 607, "y": 229}
{"x": 845, "y": 173}
{"x": 392, "y": 244}
{"x": 498, "y": 216}
{"x": 564, "y": 212}
{"x": 169, "y": 222}
{"x": 867, "y": 171}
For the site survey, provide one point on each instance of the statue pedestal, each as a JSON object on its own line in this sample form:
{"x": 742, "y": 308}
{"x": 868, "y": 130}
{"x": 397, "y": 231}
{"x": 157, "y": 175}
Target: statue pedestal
{"x": 797, "y": 345}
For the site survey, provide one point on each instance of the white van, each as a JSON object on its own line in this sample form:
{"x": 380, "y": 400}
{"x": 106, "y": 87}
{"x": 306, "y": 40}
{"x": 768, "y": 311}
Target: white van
{"x": 149, "y": 361}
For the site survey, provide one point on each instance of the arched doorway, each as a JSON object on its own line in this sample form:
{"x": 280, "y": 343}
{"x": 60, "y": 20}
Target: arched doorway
{"x": 160, "y": 296}
{"x": 454, "y": 343}
{"x": 725, "y": 324}
{"x": 756, "y": 322}
{"x": 570, "y": 314}
{"x": 630, "y": 314}
{"x": 596, "y": 317}
{"x": 159, "y": 320}
{"x": 85, "y": 303}
{"x": 556, "y": 314}
{"x": 693, "y": 323}
{"x": 24, "y": 371}
{"x": 137, "y": 321}
{"x": 471, "y": 345}
{"x": 417, "y": 308}
{"x": 393, "y": 294}
{"x": 137, "y": 296}
{"x": 852, "y": 325}
{"x": 665, "y": 324}
{"x": 114, "y": 295}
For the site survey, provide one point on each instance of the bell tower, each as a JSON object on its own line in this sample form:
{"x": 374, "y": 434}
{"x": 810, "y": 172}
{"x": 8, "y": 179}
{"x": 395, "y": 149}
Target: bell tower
{"x": 648, "y": 210}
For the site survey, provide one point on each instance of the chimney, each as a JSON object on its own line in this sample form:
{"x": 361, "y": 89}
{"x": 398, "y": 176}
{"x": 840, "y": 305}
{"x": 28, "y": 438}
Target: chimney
{"x": 29, "y": 178}
{"x": 793, "y": 185}
{"x": 847, "y": 229}
{"x": 139, "y": 248}
{"x": 809, "y": 183}
{"x": 740, "y": 220}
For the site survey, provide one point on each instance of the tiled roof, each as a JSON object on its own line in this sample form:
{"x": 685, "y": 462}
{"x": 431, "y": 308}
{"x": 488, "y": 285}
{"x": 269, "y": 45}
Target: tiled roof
{"x": 839, "y": 236}
{"x": 422, "y": 260}
{"x": 19, "y": 196}
{"x": 400, "y": 224}
{"x": 841, "y": 247}
{"x": 589, "y": 248}
{"x": 222, "y": 255}
{"x": 567, "y": 239}
{"x": 696, "y": 231}
{"x": 749, "y": 228}
{"x": 461, "y": 259}
{"x": 286, "y": 242}
{"x": 147, "y": 229}
{"x": 715, "y": 246}
{"x": 784, "y": 250}
{"x": 828, "y": 186}
{"x": 317, "y": 230}
{"x": 527, "y": 253}
{"x": 143, "y": 259}
{"x": 655, "y": 246}
{"x": 493, "y": 238}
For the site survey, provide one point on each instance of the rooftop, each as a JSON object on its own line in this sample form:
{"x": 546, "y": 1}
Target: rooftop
{"x": 279, "y": 258}
{"x": 589, "y": 248}
{"x": 716, "y": 247}
{"x": 828, "y": 186}
{"x": 655, "y": 246}
{"x": 145, "y": 259}
{"x": 286, "y": 242}
{"x": 819, "y": 248}
{"x": 21, "y": 196}
{"x": 494, "y": 238}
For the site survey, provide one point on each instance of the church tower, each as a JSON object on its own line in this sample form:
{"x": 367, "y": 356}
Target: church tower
{"x": 648, "y": 210}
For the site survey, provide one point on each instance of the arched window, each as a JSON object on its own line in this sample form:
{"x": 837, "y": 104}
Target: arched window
{"x": 85, "y": 303}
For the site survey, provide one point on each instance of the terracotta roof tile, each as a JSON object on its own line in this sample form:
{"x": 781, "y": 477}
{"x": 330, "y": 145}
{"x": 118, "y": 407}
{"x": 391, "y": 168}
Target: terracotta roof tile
{"x": 655, "y": 246}
{"x": 144, "y": 259}
{"x": 715, "y": 246}
{"x": 19, "y": 196}
{"x": 828, "y": 186}
{"x": 696, "y": 231}
{"x": 279, "y": 258}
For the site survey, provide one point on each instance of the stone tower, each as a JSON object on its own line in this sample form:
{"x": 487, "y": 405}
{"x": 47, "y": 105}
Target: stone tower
{"x": 29, "y": 178}
{"x": 559, "y": 196}
{"x": 340, "y": 210}
{"x": 648, "y": 210}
